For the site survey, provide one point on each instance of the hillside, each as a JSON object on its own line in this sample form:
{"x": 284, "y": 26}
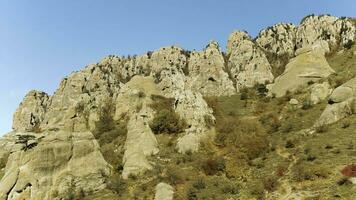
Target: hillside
{"x": 270, "y": 118}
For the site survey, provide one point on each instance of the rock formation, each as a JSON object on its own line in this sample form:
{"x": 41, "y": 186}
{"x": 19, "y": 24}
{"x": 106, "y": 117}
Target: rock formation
{"x": 247, "y": 63}
{"x": 309, "y": 66}
{"x": 54, "y": 153}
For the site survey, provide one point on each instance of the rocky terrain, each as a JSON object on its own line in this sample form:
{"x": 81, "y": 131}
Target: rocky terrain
{"x": 270, "y": 118}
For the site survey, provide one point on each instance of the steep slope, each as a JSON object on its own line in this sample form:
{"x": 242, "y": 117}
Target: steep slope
{"x": 194, "y": 125}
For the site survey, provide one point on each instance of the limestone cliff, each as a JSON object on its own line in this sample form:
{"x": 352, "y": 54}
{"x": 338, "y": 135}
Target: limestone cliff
{"x": 55, "y": 150}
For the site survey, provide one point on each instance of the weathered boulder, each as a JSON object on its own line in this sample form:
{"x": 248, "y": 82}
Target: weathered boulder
{"x": 319, "y": 92}
{"x": 344, "y": 91}
{"x": 247, "y": 63}
{"x": 55, "y": 167}
{"x": 31, "y": 111}
{"x": 306, "y": 67}
{"x": 164, "y": 192}
{"x": 336, "y": 111}
{"x": 206, "y": 72}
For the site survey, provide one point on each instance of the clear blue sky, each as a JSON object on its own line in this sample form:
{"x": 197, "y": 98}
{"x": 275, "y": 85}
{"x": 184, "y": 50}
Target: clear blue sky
{"x": 41, "y": 41}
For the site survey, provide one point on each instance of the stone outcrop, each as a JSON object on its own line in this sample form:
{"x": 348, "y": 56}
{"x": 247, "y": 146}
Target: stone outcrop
{"x": 278, "y": 39}
{"x": 247, "y": 63}
{"x": 328, "y": 30}
{"x": 31, "y": 111}
{"x": 55, "y": 168}
{"x": 206, "y": 72}
{"x": 133, "y": 102}
{"x": 310, "y": 65}
{"x": 53, "y": 140}
{"x": 193, "y": 108}
{"x": 164, "y": 192}
{"x": 281, "y": 41}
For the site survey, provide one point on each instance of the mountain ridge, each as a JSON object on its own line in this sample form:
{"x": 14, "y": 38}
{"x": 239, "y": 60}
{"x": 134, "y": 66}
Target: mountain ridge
{"x": 110, "y": 113}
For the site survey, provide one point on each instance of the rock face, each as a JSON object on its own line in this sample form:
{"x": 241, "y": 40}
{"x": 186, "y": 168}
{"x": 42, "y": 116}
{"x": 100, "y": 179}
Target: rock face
{"x": 193, "y": 108}
{"x": 281, "y": 41}
{"x": 164, "y": 192}
{"x": 278, "y": 39}
{"x": 31, "y": 112}
{"x": 310, "y": 65}
{"x": 133, "y": 101}
{"x": 329, "y": 30}
{"x": 247, "y": 63}
{"x": 206, "y": 70}
{"x": 55, "y": 168}
{"x": 53, "y": 140}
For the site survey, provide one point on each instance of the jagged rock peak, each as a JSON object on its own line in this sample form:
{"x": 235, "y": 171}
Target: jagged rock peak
{"x": 247, "y": 63}
{"x": 30, "y": 113}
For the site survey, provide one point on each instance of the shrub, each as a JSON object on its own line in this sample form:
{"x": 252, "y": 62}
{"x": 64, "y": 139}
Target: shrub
{"x": 167, "y": 121}
{"x": 248, "y": 137}
{"x": 286, "y": 128}
{"x": 289, "y": 144}
{"x": 271, "y": 121}
{"x": 212, "y": 166}
{"x": 307, "y": 104}
{"x": 261, "y": 90}
{"x": 175, "y": 176}
{"x": 321, "y": 129}
{"x": 349, "y": 44}
{"x": 244, "y": 94}
{"x": 24, "y": 140}
{"x": 270, "y": 183}
{"x": 349, "y": 170}
{"x": 161, "y": 102}
{"x": 191, "y": 194}
{"x": 209, "y": 121}
{"x": 199, "y": 184}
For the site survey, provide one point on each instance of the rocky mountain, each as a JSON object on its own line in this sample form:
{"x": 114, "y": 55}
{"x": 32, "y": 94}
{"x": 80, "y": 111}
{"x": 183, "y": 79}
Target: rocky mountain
{"x": 259, "y": 121}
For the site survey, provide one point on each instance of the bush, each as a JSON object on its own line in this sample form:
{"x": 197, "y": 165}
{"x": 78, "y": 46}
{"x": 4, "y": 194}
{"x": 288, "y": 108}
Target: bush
{"x": 199, "y": 184}
{"x": 261, "y": 90}
{"x": 270, "y": 183}
{"x": 244, "y": 94}
{"x": 271, "y": 121}
{"x": 175, "y": 176}
{"x": 248, "y": 137}
{"x": 349, "y": 44}
{"x": 321, "y": 129}
{"x": 212, "y": 166}
{"x": 349, "y": 170}
{"x": 167, "y": 121}
{"x": 307, "y": 104}
{"x": 191, "y": 194}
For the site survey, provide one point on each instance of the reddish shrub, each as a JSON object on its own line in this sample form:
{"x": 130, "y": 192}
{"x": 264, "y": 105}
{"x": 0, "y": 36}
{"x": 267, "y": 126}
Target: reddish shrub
{"x": 349, "y": 170}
